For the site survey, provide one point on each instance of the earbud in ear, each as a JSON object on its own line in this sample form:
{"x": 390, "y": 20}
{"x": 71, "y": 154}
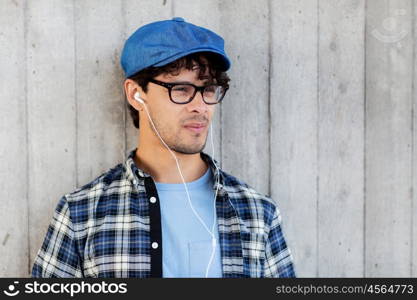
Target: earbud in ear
{"x": 137, "y": 98}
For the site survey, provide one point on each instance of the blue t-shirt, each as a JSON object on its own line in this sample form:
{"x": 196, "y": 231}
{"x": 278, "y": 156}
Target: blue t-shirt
{"x": 186, "y": 243}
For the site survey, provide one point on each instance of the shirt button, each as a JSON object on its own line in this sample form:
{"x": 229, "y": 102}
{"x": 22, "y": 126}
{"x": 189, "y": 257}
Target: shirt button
{"x": 152, "y": 199}
{"x": 154, "y": 245}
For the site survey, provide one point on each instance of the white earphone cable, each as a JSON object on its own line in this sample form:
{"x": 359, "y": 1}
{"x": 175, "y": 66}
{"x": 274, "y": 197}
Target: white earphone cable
{"x": 211, "y": 233}
{"x": 214, "y": 202}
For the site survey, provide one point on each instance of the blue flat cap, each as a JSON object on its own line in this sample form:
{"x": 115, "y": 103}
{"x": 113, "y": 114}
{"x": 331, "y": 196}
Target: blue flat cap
{"x": 159, "y": 43}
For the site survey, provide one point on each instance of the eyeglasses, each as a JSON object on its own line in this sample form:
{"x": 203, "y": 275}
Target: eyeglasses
{"x": 183, "y": 93}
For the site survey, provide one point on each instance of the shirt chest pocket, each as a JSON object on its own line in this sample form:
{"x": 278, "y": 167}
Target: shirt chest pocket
{"x": 253, "y": 251}
{"x": 117, "y": 250}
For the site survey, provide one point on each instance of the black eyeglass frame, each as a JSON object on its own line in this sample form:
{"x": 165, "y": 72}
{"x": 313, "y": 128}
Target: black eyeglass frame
{"x": 200, "y": 89}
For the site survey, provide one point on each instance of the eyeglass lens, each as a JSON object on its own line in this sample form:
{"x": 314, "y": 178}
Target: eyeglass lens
{"x": 183, "y": 93}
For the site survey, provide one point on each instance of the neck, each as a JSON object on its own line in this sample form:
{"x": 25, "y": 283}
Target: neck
{"x": 157, "y": 161}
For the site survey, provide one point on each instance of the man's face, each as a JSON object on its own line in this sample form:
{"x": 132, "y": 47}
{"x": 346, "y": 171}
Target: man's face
{"x": 175, "y": 122}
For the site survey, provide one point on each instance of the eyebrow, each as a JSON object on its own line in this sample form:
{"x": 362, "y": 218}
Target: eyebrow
{"x": 206, "y": 82}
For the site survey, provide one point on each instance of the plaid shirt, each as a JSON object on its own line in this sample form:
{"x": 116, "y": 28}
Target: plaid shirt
{"x": 111, "y": 227}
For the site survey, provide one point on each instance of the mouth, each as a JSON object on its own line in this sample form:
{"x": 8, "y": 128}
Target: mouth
{"x": 196, "y": 127}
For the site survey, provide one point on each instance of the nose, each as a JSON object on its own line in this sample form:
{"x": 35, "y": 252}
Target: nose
{"x": 197, "y": 104}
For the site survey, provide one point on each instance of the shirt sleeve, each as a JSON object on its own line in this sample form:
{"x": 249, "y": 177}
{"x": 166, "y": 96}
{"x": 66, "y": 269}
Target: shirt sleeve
{"x": 278, "y": 258}
{"x": 58, "y": 255}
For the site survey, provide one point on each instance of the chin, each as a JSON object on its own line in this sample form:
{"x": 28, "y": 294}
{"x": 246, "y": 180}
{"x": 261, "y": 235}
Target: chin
{"x": 187, "y": 149}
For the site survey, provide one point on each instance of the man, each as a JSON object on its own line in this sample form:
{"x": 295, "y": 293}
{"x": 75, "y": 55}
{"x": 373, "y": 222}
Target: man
{"x": 168, "y": 211}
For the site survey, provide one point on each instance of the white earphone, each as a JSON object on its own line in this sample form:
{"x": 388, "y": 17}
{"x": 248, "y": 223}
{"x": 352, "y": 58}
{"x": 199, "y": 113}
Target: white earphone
{"x": 137, "y": 98}
{"x": 211, "y": 233}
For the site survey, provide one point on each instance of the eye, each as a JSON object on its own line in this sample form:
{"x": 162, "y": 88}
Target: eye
{"x": 182, "y": 88}
{"x": 178, "y": 89}
{"x": 210, "y": 88}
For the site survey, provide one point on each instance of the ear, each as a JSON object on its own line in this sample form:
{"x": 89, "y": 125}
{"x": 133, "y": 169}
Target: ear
{"x": 130, "y": 88}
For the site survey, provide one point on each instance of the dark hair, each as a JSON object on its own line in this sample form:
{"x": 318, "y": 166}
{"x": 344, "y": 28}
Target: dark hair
{"x": 215, "y": 70}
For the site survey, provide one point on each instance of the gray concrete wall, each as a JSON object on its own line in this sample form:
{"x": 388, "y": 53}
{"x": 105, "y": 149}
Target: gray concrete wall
{"x": 320, "y": 116}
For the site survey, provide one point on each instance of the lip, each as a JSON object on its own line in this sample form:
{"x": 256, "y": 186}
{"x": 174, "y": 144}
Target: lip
{"x": 196, "y": 127}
